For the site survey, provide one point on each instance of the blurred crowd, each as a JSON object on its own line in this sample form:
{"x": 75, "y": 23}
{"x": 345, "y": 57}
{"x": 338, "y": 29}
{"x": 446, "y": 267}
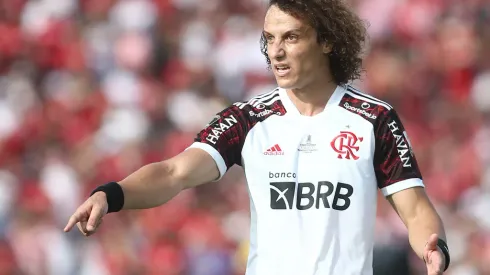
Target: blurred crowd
{"x": 91, "y": 90}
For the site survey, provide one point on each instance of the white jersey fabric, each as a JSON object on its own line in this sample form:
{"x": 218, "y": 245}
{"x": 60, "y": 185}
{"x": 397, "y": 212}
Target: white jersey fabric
{"x": 313, "y": 181}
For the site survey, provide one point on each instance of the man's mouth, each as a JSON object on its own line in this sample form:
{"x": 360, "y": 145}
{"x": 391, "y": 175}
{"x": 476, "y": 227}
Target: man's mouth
{"x": 282, "y": 70}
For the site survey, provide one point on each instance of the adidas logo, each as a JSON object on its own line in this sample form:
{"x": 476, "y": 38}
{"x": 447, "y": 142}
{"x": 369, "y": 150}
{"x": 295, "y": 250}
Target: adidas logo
{"x": 274, "y": 151}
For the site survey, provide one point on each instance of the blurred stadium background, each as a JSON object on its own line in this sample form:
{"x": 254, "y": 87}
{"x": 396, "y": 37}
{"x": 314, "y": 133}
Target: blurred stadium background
{"x": 91, "y": 90}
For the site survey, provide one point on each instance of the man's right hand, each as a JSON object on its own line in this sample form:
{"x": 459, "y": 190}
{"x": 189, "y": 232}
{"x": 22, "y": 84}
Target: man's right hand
{"x": 150, "y": 186}
{"x": 89, "y": 215}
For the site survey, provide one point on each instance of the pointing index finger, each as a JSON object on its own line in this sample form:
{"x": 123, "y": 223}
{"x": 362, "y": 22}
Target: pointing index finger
{"x": 72, "y": 221}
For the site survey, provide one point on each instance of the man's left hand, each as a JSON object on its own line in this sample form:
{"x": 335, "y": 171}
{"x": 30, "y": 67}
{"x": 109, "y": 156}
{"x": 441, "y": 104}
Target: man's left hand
{"x": 433, "y": 257}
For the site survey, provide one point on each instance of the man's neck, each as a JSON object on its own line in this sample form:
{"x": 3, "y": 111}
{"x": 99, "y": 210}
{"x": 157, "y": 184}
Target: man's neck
{"x": 311, "y": 100}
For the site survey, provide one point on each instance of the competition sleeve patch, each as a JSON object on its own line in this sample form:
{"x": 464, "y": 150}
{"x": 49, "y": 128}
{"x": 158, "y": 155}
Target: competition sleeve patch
{"x": 394, "y": 159}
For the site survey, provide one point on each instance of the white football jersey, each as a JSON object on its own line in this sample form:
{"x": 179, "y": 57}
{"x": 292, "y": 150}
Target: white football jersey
{"x": 313, "y": 181}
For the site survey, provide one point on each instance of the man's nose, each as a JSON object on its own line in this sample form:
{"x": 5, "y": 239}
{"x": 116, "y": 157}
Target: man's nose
{"x": 276, "y": 50}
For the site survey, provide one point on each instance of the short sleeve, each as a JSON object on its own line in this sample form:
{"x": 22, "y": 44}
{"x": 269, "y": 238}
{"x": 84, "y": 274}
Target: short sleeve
{"x": 223, "y": 138}
{"x": 394, "y": 161}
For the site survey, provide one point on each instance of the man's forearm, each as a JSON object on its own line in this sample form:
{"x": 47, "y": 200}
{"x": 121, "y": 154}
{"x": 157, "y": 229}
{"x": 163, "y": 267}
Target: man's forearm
{"x": 422, "y": 226}
{"x": 150, "y": 186}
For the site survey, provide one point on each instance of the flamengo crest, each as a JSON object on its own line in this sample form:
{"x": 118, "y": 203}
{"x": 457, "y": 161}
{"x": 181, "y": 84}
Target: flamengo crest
{"x": 346, "y": 144}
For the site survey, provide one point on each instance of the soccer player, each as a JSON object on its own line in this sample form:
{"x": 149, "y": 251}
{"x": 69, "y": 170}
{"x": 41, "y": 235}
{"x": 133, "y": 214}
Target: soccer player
{"x": 314, "y": 150}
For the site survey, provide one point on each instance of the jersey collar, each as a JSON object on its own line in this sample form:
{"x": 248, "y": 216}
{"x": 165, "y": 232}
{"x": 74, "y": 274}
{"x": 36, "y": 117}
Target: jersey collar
{"x": 334, "y": 100}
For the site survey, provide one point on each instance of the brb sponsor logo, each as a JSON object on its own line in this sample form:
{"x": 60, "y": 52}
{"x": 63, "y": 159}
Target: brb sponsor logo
{"x": 346, "y": 145}
{"x": 306, "y": 195}
{"x": 218, "y": 128}
{"x": 402, "y": 144}
{"x": 360, "y": 111}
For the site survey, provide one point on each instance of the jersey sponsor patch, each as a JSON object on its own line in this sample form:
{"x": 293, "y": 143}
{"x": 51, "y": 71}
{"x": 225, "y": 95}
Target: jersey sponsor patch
{"x": 219, "y": 128}
{"x": 307, "y": 195}
{"x": 362, "y": 106}
{"x": 261, "y": 113}
{"x": 402, "y": 144}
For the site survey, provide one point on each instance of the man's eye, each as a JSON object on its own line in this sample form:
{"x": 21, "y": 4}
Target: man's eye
{"x": 292, "y": 37}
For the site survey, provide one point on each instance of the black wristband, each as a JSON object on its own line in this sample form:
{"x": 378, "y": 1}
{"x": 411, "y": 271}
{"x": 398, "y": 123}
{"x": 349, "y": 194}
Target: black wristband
{"x": 114, "y": 194}
{"x": 443, "y": 246}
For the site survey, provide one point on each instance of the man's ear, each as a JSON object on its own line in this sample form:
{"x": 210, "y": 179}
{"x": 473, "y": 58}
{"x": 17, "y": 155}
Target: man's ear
{"x": 327, "y": 48}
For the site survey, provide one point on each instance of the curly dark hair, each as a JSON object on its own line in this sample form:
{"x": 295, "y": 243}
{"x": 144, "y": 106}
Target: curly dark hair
{"x": 335, "y": 24}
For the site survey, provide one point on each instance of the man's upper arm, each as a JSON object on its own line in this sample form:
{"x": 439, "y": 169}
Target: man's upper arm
{"x": 395, "y": 164}
{"x": 193, "y": 167}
